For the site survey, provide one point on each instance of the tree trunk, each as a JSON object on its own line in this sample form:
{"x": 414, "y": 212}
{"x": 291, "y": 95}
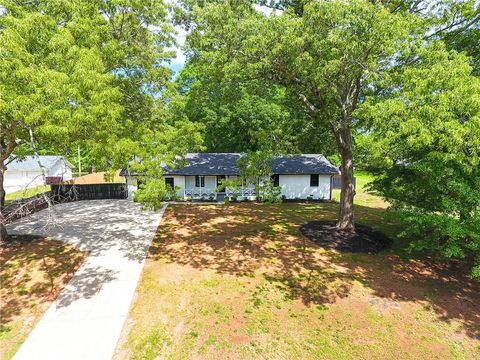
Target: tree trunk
{"x": 345, "y": 144}
{"x": 3, "y": 229}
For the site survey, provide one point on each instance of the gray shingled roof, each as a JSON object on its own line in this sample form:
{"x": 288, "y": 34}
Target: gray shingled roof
{"x": 303, "y": 164}
{"x": 226, "y": 164}
{"x": 30, "y": 163}
{"x": 207, "y": 164}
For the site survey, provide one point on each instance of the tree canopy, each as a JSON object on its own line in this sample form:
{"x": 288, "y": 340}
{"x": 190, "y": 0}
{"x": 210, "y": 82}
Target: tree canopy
{"x": 85, "y": 72}
{"x": 383, "y": 76}
{"x": 325, "y": 58}
{"x": 455, "y": 22}
{"x": 53, "y": 82}
{"x": 388, "y": 84}
{"x": 430, "y": 131}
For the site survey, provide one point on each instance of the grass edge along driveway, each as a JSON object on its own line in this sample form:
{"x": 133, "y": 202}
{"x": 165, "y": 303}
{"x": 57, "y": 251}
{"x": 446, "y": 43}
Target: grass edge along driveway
{"x": 32, "y": 274}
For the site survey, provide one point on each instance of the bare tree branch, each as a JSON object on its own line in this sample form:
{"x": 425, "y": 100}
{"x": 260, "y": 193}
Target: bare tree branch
{"x": 51, "y": 219}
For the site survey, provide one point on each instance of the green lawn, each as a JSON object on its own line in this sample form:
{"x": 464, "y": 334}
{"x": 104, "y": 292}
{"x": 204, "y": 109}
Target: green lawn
{"x": 22, "y": 194}
{"x": 240, "y": 282}
{"x": 363, "y": 196}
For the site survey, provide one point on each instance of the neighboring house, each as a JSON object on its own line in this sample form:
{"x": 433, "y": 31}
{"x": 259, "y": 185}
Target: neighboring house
{"x": 299, "y": 176}
{"x": 26, "y": 172}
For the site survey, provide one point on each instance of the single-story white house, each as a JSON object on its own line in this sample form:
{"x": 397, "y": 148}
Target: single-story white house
{"x": 25, "y": 172}
{"x": 299, "y": 176}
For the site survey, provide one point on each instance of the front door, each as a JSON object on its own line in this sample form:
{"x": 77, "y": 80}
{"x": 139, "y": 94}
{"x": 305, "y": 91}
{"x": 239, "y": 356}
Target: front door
{"x": 220, "y": 178}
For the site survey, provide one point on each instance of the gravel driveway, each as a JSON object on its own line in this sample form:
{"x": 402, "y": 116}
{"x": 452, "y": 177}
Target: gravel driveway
{"x": 86, "y": 319}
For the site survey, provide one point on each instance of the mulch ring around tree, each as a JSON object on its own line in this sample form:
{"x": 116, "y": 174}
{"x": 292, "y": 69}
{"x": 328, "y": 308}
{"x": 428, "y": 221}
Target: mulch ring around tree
{"x": 363, "y": 240}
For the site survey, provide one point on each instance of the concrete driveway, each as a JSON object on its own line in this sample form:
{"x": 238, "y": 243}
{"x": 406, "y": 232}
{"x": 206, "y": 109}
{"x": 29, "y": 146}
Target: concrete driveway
{"x": 86, "y": 319}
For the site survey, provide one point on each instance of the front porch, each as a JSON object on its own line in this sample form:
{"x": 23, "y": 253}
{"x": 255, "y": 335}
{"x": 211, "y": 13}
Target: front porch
{"x": 212, "y": 194}
{"x": 206, "y": 188}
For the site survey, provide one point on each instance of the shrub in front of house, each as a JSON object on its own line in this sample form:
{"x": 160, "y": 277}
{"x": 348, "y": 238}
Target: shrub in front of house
{"x": 154, "y": 192}
{"x": 269, "y": 193}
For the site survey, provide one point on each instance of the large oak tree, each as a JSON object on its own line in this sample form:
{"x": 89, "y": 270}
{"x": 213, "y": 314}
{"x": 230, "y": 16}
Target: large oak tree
{"x": 330, "y": 55}
{"x": 327, "y": 56}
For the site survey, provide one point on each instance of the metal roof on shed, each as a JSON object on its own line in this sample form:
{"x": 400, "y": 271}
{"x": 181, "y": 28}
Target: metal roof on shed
{"x": 30, "y": 162}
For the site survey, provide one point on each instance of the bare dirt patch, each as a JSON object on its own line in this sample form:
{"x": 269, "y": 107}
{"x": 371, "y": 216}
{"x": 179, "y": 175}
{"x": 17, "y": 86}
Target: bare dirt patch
{"x": 244, "y": 283}
{"x": 33, "y": 271}
{"x": 363, "y": 239}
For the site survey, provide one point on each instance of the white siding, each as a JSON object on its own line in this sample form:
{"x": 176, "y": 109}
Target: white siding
{"x": 16, "y": 180}
{"x": 293, "y": 186}
{"x": 210, "y": 182}
{"x": 131, "y": 185}
{"x": 298, "y": 187}
{"x": 60, "y": 169}
{"x": 13, "y": 181}
{"x": 21, "y": 180}
{"x": 178, "y": 181}
{"x": 190, "y": 182}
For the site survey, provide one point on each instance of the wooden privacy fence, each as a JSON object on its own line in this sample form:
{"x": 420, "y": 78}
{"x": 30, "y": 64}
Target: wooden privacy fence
{"x": 71, "y": 192}
{"x": 337, "y": 182}
{"x": 63, "y": 193}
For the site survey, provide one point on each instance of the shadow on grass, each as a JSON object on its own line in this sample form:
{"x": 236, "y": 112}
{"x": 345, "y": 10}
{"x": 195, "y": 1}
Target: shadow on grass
{"x": 259, "y": 239}
{"x": 33, "y": 272}
{"x": 443, "y": 287}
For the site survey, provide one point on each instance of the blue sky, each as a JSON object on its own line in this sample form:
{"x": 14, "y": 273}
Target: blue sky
{"x": 179, "y": 61}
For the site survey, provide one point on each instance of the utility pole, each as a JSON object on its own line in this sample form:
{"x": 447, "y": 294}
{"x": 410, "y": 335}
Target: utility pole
{"x": 79, "y": 163}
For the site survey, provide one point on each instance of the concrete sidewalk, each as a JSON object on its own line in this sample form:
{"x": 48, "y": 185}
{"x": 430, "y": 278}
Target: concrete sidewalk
{"x": 86, "y": 319}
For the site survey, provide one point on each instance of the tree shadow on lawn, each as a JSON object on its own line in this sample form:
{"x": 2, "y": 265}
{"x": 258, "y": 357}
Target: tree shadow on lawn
{"x": 33, "y": 273}
{"x": 441, "y": 286}
{"x": 259, "y": 239}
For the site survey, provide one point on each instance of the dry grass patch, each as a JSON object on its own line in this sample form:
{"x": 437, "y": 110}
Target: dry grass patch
{"x": 364, "y": 196}
{"x": 241, "y": 282}
{"x": 33, "y": 272}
